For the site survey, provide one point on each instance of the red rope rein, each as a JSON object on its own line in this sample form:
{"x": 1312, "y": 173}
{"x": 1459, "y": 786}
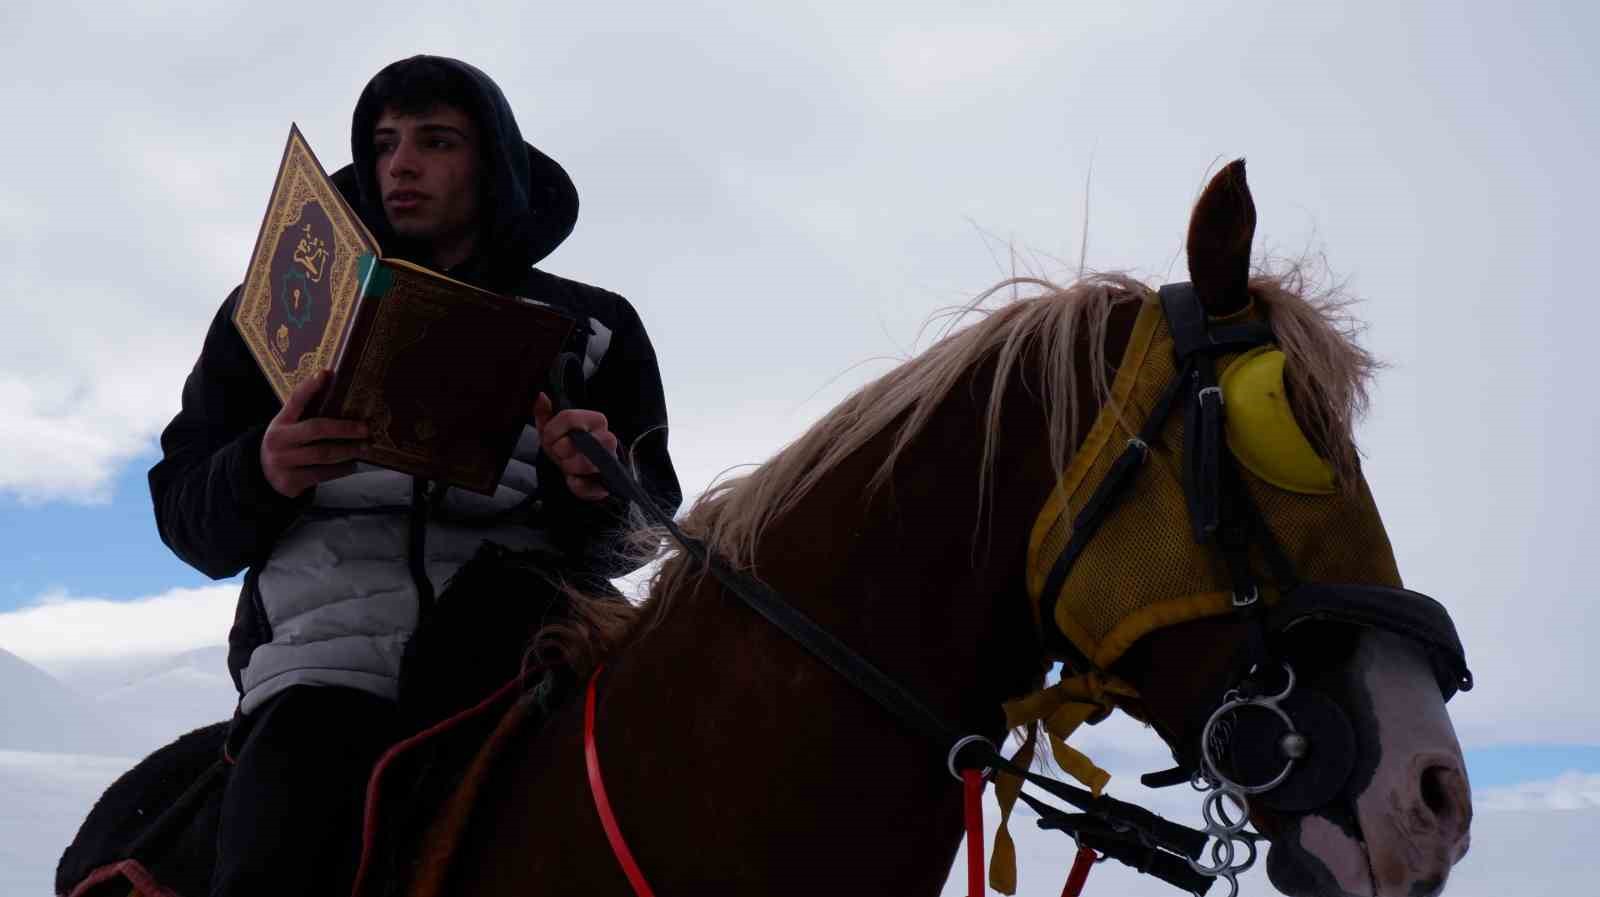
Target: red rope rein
{"x": 972, "y": 786}
{"x": 602, "y": 804}
{"x": 1081, "y": 865}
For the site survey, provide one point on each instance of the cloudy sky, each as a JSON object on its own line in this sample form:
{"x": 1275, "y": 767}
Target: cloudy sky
{"x": 788, "y": 191}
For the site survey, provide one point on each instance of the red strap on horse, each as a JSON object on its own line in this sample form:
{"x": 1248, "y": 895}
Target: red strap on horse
{"x": 602, "y": 804}
{"x": 1080, "y": 872}
{"x": 972, "y": 785}
{"x": 972, "y": 788}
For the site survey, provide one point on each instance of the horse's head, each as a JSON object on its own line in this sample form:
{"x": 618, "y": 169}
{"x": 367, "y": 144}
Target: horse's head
{"x": 1215, "y": 547}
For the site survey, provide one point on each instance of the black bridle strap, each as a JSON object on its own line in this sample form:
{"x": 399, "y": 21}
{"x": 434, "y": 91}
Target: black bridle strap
{"x": 1194, "y": 333}
{"x": 1196, "y": 343}
{"x": 768, "y": 603}
{"x": 1124, "y": 846}
{"x": 1169, "y": 835}
{"x": 1106, "y": 497}
{"x": 1400, "y": 611}
{"x": 861, "y": 673}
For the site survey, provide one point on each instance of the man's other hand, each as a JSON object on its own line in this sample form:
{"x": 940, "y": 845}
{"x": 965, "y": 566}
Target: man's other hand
{"x": 298, "y": 454}
{"x": 582, "y": 476}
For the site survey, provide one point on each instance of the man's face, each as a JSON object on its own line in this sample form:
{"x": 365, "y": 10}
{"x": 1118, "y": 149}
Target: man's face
{"x": 427, "y": 172}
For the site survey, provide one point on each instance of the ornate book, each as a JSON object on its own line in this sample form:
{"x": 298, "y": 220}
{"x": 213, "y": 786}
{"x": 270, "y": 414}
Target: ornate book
{"x": 445, "y": 374}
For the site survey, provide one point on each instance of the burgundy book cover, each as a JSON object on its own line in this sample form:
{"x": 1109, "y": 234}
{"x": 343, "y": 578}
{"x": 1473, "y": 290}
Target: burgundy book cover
{"x": 445, "y": 374}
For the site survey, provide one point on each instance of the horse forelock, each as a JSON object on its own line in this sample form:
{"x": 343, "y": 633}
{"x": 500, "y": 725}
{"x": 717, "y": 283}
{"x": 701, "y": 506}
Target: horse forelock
{"x": 1327, "y": 368}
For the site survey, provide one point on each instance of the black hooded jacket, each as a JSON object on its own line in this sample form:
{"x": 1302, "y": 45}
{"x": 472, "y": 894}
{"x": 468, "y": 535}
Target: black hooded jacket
{"x": 213, "y": 505}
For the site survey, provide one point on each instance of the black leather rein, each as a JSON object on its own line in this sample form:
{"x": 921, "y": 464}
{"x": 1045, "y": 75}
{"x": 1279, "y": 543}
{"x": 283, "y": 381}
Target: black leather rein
{"x": 1126, "y": 832}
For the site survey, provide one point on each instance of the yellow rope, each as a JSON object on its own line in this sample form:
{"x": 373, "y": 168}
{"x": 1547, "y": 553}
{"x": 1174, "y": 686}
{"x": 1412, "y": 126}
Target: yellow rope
{"x": 1061, "y": 708}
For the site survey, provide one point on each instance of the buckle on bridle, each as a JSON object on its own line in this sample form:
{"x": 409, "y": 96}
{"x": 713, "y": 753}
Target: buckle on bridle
{"x": 1247, "y": 599}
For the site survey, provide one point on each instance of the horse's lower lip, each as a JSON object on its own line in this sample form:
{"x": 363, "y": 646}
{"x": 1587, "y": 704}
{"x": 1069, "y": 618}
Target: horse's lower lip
{"x": 1315, "y": 858}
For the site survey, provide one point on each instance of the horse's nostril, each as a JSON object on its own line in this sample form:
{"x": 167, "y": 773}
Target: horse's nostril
{"x": 1436, "y": 783}
{"x": 1433, "y": 790}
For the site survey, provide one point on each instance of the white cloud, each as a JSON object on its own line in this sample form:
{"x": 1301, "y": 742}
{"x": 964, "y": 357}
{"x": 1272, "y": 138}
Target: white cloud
{"x": 55, "y": 448}
{"x": 1568, "y": 791}
{"x": 91, "y": 358}
{"x": 59, "y": 631}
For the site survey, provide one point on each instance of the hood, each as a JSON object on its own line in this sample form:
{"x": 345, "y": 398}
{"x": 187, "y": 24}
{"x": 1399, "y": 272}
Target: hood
{"x": 530, "y": 203}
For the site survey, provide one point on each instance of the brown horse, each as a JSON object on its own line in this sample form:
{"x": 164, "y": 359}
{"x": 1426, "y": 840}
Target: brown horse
{"x": 908, "y": 523}
{"x": 905, "y": 523}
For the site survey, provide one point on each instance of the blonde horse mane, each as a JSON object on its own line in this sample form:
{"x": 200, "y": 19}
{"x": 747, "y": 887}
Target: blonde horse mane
{"x": 1327, "y": 369}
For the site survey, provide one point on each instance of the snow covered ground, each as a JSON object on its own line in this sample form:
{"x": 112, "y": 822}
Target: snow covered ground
{"x": 1534, "y": 850}
{"x": 1528, "y": 853}
{"x": 67, "y": 733}
{"x": 65, "y": 737}
{"x": 45, "y": 797}
{"x": 1522, "y": 852}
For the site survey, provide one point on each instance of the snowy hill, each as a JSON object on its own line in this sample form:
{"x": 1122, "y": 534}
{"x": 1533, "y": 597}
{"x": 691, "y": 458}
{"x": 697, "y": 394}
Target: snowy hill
{"x": 41, "y": 714}
{"x": 166, "y": 699}
{"x": 150, "y": 699}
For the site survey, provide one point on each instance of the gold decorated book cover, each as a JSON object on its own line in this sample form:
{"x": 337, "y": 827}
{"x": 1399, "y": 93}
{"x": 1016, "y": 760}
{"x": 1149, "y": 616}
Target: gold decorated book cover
{"x": 444, "y": 374}
{"x": 301, "y": 286}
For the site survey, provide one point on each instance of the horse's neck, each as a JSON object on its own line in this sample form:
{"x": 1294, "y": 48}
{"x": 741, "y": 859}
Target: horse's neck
{"x": 761, "y": 748}
{"x": 736, "y": 758}
{"x": 919, "y": 576}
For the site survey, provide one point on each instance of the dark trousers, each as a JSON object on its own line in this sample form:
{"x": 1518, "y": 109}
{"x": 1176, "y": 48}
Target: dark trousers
{"x": 292, "y": 812}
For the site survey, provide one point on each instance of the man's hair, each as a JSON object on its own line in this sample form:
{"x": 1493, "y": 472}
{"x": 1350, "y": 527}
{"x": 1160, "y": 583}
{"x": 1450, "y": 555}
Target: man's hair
{"x": 414, "y": 86}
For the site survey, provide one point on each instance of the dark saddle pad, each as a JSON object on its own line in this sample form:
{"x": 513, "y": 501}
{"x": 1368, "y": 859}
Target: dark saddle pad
{"x": 158, "y": 822}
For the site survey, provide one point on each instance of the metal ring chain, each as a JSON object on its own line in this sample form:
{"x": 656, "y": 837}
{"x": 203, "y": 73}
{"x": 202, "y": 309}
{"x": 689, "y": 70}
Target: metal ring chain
{"x": 1228, "y": 832}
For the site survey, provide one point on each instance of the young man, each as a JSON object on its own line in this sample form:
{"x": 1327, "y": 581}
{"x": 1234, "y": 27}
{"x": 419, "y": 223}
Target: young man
{"x": 340, "y": 555}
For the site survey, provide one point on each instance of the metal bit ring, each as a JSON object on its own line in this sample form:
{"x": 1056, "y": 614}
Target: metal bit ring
{"x": 1234, "y": 702}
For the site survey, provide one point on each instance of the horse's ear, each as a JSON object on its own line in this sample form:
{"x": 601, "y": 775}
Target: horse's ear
{"x": 1220, "y": 231}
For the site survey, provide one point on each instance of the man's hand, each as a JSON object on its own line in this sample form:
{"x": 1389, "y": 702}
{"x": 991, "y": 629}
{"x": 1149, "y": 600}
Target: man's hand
{"x": 582, "y": 475}
{"x": 298, "y": 454}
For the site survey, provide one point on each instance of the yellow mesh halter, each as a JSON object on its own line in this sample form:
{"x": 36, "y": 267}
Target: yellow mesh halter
{"x": 1143, "y": 570}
